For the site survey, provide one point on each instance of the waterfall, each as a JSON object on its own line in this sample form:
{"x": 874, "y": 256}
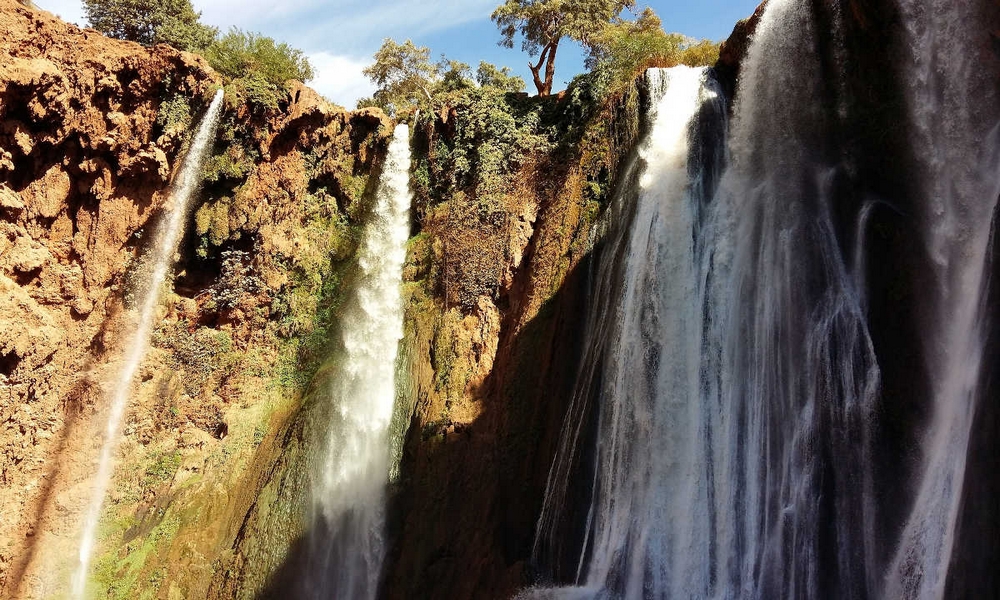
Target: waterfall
{"x": 956, "y": 124}
{"x": 650, "y": 522}
{"x": 159, "y": 261}
{"x": 722, "y": 439}
{"x": 350, "y": 491}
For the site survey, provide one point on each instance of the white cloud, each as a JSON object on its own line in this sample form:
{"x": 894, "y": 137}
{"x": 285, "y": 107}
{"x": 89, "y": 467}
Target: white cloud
{"x": 348, "y": 27}
{"x": 339, "y": 78}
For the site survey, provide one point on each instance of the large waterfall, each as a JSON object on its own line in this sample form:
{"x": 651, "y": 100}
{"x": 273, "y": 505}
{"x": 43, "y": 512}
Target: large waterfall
{"x": 723, "y": 438}
{"x": 347, "y": 545}
{"x": 956, "y": 123}
{"x": 148, "y": 291}
{"x": 647, "y": 512}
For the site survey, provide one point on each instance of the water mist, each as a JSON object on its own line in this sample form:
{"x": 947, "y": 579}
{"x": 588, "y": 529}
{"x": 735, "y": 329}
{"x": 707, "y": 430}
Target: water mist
{"x": 160, "y": 259}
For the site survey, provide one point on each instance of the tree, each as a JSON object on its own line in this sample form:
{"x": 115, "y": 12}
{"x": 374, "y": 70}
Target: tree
{"x": 402, "y": 74}
{"x": 240, "y": 53}
{"x": 488, "y": 75}
{"x": 624, "y": 49}
{"x": 406, "y": 80}
{"x": 173, "y": 22}
{"x": 542, "y": 24}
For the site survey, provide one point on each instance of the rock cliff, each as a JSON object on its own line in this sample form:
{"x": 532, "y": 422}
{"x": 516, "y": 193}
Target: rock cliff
{"x": 211, "y": 482}
{"x": 92, "y": 131}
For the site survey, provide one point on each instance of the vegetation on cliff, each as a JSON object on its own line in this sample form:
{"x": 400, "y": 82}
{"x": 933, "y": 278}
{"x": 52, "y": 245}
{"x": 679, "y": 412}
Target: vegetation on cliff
{"x": 172, "y": 22}
{"x": 256, "y": 67}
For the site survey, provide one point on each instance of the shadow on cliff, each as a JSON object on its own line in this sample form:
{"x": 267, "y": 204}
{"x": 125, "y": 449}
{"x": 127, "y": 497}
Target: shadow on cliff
{"x": 470, "y": 494}
{"x": 74, "y": 402}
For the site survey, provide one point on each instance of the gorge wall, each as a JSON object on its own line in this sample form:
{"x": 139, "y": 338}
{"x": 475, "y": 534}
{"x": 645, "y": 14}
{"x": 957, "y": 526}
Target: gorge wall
{"x": 92, "y": 132}
{"x": 210, "y": 493}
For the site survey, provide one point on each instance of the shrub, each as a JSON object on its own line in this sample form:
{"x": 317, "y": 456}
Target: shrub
{"x": 173, "y": 22}
{"x": 174, "y": 114}
{"x": 241, "y": 55}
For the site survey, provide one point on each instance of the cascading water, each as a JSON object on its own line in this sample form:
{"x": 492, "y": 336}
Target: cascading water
{"x": 956, "y": 124}
{"x": 159, "y": 261}
{"x": 731, "y": 373}
{"x": 347, "y": 545}
{"x": 650, "y": 522}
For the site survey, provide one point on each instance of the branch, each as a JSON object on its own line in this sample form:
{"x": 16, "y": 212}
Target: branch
{"x": 539, "y": 84}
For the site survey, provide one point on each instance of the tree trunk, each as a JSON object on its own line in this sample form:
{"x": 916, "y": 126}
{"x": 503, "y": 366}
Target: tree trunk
{"x": 547, "y": 58}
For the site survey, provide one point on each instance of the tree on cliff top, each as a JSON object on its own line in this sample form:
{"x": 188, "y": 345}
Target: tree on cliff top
{"x": 625, "y": 49}
{"x": 542, "y": 24}
{"x": 406, "y": 80}
{"x": 173, "y": 22}
{"x": 241, "y": 53}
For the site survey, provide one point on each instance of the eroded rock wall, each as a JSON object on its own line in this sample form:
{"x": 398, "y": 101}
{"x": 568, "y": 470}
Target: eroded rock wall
{"x": 92, "y": 131}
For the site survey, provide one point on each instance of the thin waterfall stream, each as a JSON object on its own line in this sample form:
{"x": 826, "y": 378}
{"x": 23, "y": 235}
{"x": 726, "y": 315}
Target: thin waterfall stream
{"x": 149, "y": 291}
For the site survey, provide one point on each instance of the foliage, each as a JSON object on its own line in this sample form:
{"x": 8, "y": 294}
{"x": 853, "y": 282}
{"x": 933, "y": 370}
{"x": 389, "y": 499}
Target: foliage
{"x": 242, "y": 55}
{"x": 489, "y": 75}
{"x": 624, "y": 49}
{"x": 173, "y": 22}
{"x": 233, "y": 164}
{"x": 174, "y": 114}
{"x": 236, "y": 282}
{"x": 407, "y": 80}
{"x": 542, "y": 24}
{"x": 402, "y": 74}
{"x": 163, "y": 467}
{"x": 471, "y": 182}
{"x": 200, "y": 354}
{"x": 702, "y": 54}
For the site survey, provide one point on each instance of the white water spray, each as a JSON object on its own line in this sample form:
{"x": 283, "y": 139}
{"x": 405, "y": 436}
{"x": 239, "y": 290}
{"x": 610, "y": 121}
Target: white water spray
{"x": 160, "y": 260}
{"x": 649, "y": 527}
{"x": 954, "y": 125}
{"x": 350, "y": 495}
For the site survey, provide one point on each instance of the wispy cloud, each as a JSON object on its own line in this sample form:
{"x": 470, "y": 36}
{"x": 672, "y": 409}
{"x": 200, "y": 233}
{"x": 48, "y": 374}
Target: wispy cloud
{"x": 348, "y": 27}
{"x": 339, "y": 78}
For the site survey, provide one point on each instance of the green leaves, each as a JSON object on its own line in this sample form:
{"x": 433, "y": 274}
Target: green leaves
{"x": 543, "y": 23}
{"x": 173, "y": 22}
{"x": 408, "y": 81}
{"x": 240, "y": 53}
{"x": 489, "y": 75}
{"x": 622, "y": 50}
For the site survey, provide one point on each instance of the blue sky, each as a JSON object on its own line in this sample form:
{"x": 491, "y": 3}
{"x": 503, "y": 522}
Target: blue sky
{"x": 340, "y": 36}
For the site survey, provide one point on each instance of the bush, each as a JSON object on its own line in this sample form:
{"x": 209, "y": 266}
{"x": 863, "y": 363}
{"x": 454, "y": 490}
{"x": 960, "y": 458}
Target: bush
{"x": 702, "y": 54}
{"x": 174, "y": 115}
{"x": 241, "y": 55}
{"x": 173, "y": 22}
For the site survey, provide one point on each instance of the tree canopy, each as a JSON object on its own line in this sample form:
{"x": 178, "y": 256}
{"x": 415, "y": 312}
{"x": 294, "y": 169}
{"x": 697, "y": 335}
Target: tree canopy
{"x": 542, "y": 24}
{"x": 488, "y": 75}
{"x": 407, "y": 80}
{"x": 624, "y": 49}
{"x": 173, "y": 22}
{"x": 239, "y": 53}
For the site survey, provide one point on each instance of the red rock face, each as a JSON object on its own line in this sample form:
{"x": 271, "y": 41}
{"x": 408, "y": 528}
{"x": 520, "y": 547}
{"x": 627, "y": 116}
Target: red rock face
{"x": 83, "y": 166}
{"x": 88, "y": 149}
